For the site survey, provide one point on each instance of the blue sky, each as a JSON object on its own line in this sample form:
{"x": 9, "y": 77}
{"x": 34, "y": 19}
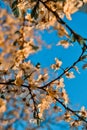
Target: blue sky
{"x": 2, "y": 5}
{"x": 76, "y": 88}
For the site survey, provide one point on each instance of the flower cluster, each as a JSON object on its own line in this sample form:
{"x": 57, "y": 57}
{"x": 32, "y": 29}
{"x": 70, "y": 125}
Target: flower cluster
{"x": 28, "y": 88}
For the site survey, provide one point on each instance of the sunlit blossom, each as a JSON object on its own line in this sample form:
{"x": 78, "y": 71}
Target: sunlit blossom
{"x": 70, "y": 75}
{"x": 65, "y": 96}
{"x": 2, "y": 105}
{"x": 57, "y": 65}
{"x": 83, "y": 112}
{"x": 67, "y": 116}
{"x": 42, "y": 78}
{"x": 60, "y": 83}
{"x": 75, "y": 123}
{"x": 64, "y": 43}
{"x": 45, "y": 104}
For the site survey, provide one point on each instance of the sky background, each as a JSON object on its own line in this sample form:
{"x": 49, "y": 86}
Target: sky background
{"x": 76, "y": 88}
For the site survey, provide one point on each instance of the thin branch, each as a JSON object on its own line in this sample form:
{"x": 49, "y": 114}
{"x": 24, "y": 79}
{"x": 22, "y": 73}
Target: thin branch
{"x": 72, "y": 111}
{"x": 62, "y": 21}
{"x": 65, "y": 71}
{"x": 7, "y": 83}
{"x": 34, "y": 103}
{"x": 27, "y": 76}
{"x": 67, "y": 108}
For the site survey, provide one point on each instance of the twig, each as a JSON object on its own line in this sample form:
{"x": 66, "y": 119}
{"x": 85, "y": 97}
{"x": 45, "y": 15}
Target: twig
{"x": 62, "y": 21}
{"x": 66, "y": 70}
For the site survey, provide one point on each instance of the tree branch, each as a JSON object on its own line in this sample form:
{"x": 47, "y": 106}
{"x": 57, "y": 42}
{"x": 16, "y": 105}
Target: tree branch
{"x": 61, "y": 21}
{"x": 66, "y": 70}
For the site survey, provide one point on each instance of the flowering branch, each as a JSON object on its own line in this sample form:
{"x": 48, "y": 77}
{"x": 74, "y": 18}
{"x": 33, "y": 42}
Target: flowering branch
{"x": 72, "y": 111}
{"x": 66, "y": 70}
{"x": 76, "y": 36}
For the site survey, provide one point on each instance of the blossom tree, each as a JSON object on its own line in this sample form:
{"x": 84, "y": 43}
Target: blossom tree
{"x": 28, "y": 93}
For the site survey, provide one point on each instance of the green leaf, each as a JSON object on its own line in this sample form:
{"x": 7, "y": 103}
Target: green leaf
{"x": 16, "y": 12}
{"x": 15, "y": 9}
{"x": 34, "y": 13}
{"x": 84, "y": 66}
{"x": 34, "y": 47}
{"x": 73, "y": 39}
{"x": 83, "y": 57}
{"x": 3, "y": 96}
{"x": 15, "y": 42}
{"x": 38, "y": 122}
{"x": 14, "y": 4}
{"x": 82, "y": 41}
{"x": 38, "y": 65}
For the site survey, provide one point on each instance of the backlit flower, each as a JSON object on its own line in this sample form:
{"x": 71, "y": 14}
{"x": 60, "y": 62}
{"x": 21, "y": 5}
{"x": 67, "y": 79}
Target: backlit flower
{"x": 57, "y": 65}
{"x": 83, "y": 112}
{"x": 2, "y": 105}
{"x": 70, "y": 75}
{"x": 63, "y": 43}
{"x": 60, "y": 83}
